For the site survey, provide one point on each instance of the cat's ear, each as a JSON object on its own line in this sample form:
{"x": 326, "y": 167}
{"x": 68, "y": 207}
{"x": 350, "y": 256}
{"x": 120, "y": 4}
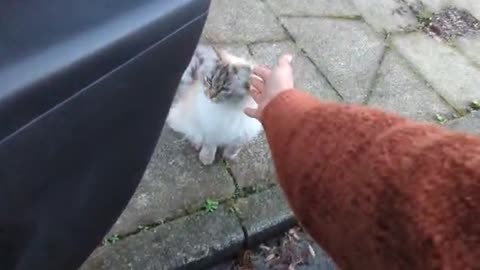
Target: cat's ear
{"x": 224, "y": 57}
{"x": 230, "y": 59}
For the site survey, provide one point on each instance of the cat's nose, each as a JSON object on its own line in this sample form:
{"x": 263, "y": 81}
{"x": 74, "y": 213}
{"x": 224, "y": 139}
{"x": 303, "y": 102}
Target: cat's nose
{"x": 212, "y": 93}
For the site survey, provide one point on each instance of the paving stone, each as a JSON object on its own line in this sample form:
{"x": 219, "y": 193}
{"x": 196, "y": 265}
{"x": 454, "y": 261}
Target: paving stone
{"x": 449, "y": 72}
{"x": 241, "y": 21}
{"x": 432, "y": 5}
{"x": 469, "y": 124}
{"x": 192, "y": 242}
{"x": 399, "y": 89}
{"x": 386, "y": 15}
{"x": 264, "y": 214}
{"x": 254, "y": 165}
{"x": 470, "y": 46}
{"x": 306, "y": 75}
{"x": 347, "y": 52}
{"x": 313, "y": 8}
{"x": 473, "y": 6}
{"x": 174, "y": 180}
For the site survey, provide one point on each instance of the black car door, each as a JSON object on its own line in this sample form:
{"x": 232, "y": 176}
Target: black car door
{"x": 85, "y": 86}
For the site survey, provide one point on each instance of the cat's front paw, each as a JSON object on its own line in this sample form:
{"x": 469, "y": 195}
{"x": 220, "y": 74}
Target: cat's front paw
{"x": 207, "y": 155}
{"x": 206, "y": 160}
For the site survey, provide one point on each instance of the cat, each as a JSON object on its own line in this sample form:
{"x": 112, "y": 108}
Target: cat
{"x": 208, "y": 108}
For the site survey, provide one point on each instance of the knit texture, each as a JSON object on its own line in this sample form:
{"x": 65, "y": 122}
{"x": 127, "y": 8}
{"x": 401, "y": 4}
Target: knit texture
{"x": 375, "y": 190}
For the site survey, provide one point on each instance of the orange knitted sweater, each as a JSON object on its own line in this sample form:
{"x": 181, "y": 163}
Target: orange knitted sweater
{"x": 375, "y": 190}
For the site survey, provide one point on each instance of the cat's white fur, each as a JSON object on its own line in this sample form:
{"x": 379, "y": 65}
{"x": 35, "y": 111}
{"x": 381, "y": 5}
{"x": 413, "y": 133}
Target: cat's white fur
{"x": 209, "y": 125}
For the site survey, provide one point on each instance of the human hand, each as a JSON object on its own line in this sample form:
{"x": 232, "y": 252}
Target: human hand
{"x": 266, "y": 84}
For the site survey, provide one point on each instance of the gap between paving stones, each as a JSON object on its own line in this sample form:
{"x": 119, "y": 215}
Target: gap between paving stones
{"x": 277, "y": 19}
{"x": 240, "y": 193}
{"x": 150, "y": 226}
{"x": 244, "y": 193}
{"x": 292, "y": 38}
{"x": 317, "y": 68}
{"x": 471, "y": 113}
{"x": 260, "y": 216}
{"x": 375, "y": 79}
{"x": 390, "y": 46}
{"x": 300, "y": 58}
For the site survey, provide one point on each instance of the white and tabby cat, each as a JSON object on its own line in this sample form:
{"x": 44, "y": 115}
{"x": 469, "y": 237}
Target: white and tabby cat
{"x": 208, "y": 108}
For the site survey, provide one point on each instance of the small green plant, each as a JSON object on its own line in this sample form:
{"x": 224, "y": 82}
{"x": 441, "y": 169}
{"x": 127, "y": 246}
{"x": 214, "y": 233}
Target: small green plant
{"x": 440, "y": 119}
{"x": 226, "y": 165}
{"x": 475, "y": 105}
{"x": 144, "y": 228}
{"x": 424, "y": 18}
{"x": 233, "y": 209}
{"x": 111, "y": 240}
{"x": 210, "y": 205}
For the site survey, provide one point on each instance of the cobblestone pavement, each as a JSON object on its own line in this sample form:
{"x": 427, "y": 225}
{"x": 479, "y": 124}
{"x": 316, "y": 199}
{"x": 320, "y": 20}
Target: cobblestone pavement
{"x": 420, "y": 59}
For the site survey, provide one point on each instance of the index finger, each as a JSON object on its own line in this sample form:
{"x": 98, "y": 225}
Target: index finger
{"x": 286, "y": 59}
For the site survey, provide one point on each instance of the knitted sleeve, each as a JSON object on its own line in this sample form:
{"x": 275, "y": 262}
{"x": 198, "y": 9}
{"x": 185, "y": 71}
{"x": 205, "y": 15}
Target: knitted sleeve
{"x": 375, "y": 190}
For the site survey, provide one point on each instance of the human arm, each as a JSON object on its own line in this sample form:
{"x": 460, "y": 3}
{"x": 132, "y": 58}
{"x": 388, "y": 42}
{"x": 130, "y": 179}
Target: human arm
{"x": 377, "y": 191}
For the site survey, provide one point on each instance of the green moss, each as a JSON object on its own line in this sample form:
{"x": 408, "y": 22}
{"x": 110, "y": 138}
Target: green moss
{"x": 111, "y": 240}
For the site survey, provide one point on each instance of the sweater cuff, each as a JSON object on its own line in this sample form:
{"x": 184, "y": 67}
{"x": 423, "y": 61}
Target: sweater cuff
{"x": 284, "y": 112}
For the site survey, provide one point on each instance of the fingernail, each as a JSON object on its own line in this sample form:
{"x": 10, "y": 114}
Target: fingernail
{"x": 289, "y": 58}
{"x": 254, "y": 76}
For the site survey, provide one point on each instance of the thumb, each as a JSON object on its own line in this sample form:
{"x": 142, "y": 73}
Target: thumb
{"x": 253, "y": 113}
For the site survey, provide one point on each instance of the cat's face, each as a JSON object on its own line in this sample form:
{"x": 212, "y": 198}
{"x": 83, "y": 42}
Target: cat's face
{"x": 228, "y": 82}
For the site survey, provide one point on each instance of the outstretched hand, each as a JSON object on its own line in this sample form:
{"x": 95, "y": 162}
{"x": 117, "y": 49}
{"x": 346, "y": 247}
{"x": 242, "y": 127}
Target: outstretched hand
{"x": 266, "y": 84}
